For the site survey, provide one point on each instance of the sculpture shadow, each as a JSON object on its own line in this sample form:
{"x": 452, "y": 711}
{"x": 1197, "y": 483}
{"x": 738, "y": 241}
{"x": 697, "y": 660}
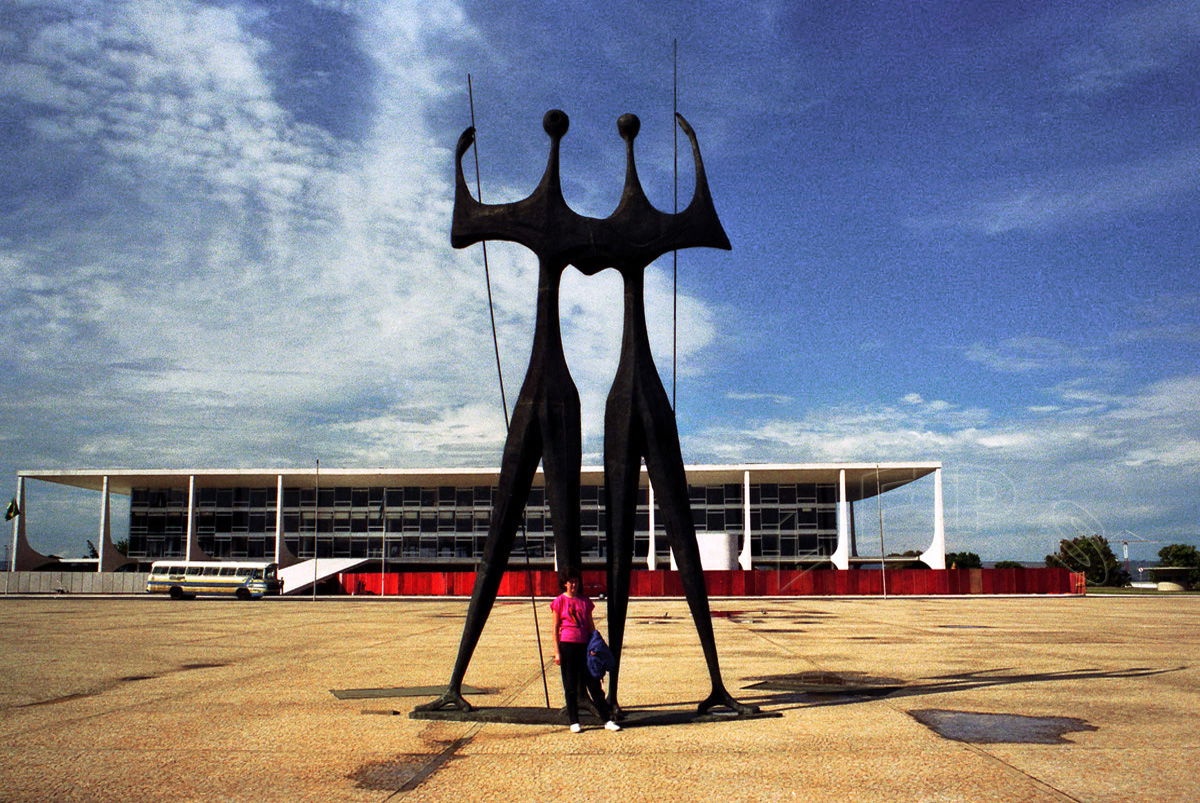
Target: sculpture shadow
{"x": 793, "y": 693}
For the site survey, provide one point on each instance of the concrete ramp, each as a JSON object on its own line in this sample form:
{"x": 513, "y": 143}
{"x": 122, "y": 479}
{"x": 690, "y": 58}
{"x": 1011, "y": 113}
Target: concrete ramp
{"x": 299, "y": 577}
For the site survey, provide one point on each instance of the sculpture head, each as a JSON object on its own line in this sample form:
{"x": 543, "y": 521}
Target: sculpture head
{"x": 555, "y": 123}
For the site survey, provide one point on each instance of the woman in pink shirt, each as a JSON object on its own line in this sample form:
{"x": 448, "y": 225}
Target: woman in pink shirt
{"x": 572, "y": 629}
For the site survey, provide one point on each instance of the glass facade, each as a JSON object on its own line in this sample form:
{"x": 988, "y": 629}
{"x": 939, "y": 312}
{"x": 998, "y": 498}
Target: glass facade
{"x": 790, "y": 524}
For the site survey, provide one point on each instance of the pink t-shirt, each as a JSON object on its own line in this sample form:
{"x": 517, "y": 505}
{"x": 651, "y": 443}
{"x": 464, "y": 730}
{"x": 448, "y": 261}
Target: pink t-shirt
{"x": 575, "y": 613}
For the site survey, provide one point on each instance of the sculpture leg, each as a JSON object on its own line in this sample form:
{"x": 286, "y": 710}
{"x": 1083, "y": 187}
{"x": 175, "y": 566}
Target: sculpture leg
{"x": 522, "y": 451}
{"x": 622, "y": 466}
{"x": 562, "y": 456}
{"x": 664, "y": 463}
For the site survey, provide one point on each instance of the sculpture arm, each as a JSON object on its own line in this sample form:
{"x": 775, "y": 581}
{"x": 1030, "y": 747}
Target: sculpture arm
{"x": 473, "y": 221}
{"x": 465, "y": 206}
{"x": 700, "y": 217}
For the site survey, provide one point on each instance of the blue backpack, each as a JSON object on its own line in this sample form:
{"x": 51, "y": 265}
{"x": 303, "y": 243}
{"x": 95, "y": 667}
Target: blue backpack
{"x": 599, "y": 656}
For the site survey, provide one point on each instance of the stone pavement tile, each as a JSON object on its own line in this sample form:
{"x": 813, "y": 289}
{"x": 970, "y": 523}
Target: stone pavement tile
{"x": 36, "y": 773}
{"x": 796, "y": 772}
{"x": 1157, "y": 770}
{"x": 172, "y": 773}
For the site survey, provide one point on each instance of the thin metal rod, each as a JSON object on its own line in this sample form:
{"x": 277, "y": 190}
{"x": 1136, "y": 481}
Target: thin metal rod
{"x": 487, "y": 274}
{"x": 882, "y": 552}
{"x": 675, "y": 253}
{"x": 537, "y": 628}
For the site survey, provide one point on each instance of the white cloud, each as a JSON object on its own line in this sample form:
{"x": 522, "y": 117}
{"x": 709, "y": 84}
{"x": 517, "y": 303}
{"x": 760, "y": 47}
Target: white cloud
{"x": 218, "y": 282}
{"x": 1147, "y": 38}
{"x": 1031, "y": 353}
{"x": 1127, "y": 463}
{"x": 773, "y": 398}
{"x": 1048, "y": 201}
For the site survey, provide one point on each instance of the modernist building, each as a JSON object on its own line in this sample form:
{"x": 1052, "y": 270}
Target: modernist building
{"x": 777, "y": 516}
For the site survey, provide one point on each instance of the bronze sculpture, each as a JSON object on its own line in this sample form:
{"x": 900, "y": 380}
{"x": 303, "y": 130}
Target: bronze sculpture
{"x": 639, "y": 421}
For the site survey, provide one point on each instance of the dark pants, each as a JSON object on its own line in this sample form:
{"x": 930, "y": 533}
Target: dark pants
{"x": 573, "y": 663}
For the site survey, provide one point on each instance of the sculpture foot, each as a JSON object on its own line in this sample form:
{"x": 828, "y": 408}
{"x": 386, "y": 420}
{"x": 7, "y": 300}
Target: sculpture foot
{"x": 616, "y": 713}
{"x": 451, "y": 699}
{"x": 723, "y": 698}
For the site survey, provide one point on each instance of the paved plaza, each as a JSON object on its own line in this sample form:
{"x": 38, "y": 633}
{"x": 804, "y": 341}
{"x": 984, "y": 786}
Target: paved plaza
{"x": 129, "y": 699}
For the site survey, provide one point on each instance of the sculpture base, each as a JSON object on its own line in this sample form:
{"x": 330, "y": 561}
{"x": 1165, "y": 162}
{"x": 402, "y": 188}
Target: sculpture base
{"x": 633, "y": 718}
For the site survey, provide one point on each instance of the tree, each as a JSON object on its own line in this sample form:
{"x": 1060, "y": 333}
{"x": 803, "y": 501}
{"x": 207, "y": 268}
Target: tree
{"x": 1009, "y": 564}
{"x": 1091, "y": 555}
{"x": 916, "y": 563}
{"x": 121, "y": 546}
{"x": 963, "y": 560}
{"x": 1182, "y": 555}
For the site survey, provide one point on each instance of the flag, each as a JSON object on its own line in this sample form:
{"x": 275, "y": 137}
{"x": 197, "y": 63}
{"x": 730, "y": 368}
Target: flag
{"x": 13, "y": 511}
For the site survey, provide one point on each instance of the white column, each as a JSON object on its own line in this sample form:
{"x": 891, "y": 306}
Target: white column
{"x": 744, "y": 560}
{"x": 190, "y": 534}
{"x": 279, "y": 519}
{"x": 935, "y": 556}
{"x": 841, "y": 554}
{"x": 651, "y": 556}
{"x": 104, "y": 542}
{"x": 18, "y": 525}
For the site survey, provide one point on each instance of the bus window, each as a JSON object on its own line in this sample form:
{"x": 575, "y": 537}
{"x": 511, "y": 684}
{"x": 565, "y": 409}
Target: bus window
{"x": 212, "y": 570}
{"x": 257, "y": 574}
{"x": 228, "y": 571}
{"x": 195, "y": 570}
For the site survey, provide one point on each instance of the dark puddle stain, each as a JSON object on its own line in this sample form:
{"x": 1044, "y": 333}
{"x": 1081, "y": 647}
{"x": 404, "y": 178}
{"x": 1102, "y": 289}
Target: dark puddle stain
{"x": 406, "y": 771}
{"x": 389, "y": 775}
{"x": 201, "y": 666}
{"x": 131, "y": 678}
{"x": 982, "y": 728}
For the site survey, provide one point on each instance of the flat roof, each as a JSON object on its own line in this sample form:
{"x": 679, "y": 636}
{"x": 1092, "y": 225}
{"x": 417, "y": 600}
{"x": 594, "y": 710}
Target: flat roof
{"x": 862, "y": 479}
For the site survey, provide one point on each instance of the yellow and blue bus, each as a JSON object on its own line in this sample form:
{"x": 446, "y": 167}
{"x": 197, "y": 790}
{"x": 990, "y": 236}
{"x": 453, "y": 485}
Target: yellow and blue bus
{"x": 244, "y": 579}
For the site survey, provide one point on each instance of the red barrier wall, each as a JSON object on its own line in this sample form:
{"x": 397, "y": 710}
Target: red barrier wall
{"x": 818, "y": 583}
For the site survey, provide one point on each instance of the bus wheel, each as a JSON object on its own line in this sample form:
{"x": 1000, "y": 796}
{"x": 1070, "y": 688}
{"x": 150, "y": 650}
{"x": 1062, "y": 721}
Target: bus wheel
{"x": 242, "y": 593}
{"x": 176, "y": 592}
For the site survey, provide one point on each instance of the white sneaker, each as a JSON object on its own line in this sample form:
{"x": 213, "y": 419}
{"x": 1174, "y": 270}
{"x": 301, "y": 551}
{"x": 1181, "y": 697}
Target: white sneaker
{"x": 611, "y": 726}
{"x": 575, "y": 727}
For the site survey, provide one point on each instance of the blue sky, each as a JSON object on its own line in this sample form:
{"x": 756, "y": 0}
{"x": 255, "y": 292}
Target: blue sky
{"x": 962, "y": 231}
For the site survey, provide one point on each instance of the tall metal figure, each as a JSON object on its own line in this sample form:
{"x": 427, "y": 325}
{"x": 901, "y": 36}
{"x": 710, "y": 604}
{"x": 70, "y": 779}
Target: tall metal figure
{"x": 639, "y": 421}
{"x": 545, "y": 423}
